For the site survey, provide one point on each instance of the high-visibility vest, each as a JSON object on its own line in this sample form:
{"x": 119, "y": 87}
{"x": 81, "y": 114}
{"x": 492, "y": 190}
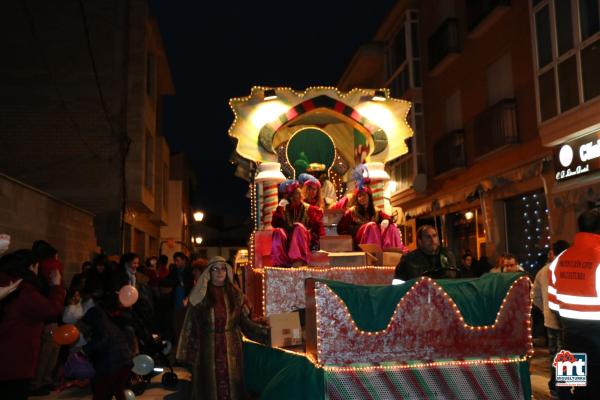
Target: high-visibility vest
{"x": 574, "y": 279}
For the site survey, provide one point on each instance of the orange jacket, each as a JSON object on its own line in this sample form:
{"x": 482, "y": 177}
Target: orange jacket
{"x": 574, "y": 279}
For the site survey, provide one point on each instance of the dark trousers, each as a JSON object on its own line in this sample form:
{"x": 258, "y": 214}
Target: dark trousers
{"x": 16, "y": 389}
{"x": 584, "y": 337}
{"x": 112, "y": 384}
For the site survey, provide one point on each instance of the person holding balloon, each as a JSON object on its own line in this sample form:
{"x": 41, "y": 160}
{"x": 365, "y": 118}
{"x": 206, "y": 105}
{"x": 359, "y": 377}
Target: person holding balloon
{"x": 211, "y": 337}
{"x": 108, "y": 347}
{"x": 23, "y": 315}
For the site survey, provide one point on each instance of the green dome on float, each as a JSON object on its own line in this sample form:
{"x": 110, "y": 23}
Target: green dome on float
{"x": 309, "y": 146}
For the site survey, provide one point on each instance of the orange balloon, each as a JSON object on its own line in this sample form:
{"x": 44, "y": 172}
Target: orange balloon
{"x": 128, "y": 295}
{"x": 66, "y": 334}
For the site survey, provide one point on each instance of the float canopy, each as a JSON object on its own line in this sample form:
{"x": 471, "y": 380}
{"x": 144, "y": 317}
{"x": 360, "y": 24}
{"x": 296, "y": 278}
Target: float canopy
{"x": 267, "y": 115}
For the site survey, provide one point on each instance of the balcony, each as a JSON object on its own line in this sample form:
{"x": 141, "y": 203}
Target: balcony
{"x": 449, "y": 152}
{"x": 496, "y": 127}
{"x": 483, "y": 14}
{"x": 443, "y": 46}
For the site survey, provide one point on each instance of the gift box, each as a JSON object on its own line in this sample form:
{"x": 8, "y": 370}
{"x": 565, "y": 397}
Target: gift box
{"x": 285, "y": 329}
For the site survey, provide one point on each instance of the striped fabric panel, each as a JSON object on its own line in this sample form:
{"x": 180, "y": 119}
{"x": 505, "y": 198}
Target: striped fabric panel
{"x": 474, "y": 382}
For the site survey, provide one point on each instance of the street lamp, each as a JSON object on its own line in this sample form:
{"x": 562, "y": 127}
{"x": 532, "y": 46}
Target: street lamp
{"x": 198, "y": 216}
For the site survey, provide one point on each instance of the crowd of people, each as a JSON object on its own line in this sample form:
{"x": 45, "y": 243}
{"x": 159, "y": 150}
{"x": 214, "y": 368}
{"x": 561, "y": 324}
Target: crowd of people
{"x": 198, "y": 308}
{"x": 36, "y": 303}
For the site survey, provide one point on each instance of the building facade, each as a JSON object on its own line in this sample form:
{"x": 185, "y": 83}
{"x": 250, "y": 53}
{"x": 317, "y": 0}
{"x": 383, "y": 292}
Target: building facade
{"x": 566, "y": 57}
{"x": 81, "y": 105}
{"x": 478, "y": 168}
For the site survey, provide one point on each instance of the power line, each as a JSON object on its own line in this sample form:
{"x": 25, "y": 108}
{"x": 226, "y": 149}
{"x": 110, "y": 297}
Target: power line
{"x": 62, "y": 102}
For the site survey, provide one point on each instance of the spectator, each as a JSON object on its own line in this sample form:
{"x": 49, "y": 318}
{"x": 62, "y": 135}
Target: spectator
{"x": 482, "y": 266}
{"x": 23, "y": 315}
{"x": 573, "y": 292}
{"x": 551, "y": 321}
{"x": 499, "y": 265}
{"x": 97, "y": 279}
{"x": 126, "y": 271}
{"x": 466, "y": 267}
{"x": 49, "y": 352}
{"x": 78, "y": 280}
{"x": 429, "y": 259}
{"x": 180, "y": 280}
{"x": 109, "y": 351}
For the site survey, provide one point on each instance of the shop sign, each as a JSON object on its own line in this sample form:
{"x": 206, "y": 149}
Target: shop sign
{"x": 577, "y": 157}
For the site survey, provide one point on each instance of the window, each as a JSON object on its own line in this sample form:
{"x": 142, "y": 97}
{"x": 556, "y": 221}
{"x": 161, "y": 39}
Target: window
{"x": 547, "y": 95}
{"x": 564, "y": 25}
{"x": 499, "y": 80}
{"x": 566, "y": 36}
{"x": 589, "y": 20}
{"x": 403, "y": 61}
{"x": 403, "y": 172}
{"x": 590, "y": 63}
{"x": 149, "y": 175}
{"x": 567, "y": 79}
{"x": 544, "y": 43}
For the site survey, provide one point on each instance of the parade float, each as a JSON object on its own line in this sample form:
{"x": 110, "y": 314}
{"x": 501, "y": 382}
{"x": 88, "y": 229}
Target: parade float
{"x": 362, "y": 338}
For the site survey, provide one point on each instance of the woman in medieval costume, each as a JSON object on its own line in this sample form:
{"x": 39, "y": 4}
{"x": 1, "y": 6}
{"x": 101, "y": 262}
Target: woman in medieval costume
{"x": 211, "y": 337}
{"x": 298, "y": 227}
{"x": 366, "y": 224}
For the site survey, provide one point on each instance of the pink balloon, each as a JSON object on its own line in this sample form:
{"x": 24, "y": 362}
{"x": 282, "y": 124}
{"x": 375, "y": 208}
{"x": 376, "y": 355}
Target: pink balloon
{"x": 128, "y": 295}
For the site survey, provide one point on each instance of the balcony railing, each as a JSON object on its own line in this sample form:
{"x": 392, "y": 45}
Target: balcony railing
{"x": 496, "y": 127}
{"x": 481, "y": 13}
{"x": 449, "y": 152}
{"x": 443, "y": 43}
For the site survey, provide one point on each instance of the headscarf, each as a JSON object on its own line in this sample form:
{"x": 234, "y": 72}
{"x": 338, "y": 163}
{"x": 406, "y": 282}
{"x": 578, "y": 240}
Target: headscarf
{"x": 287, "y": 187}
{"x": 308, "y": 180}
{"x": 198, "y": 292}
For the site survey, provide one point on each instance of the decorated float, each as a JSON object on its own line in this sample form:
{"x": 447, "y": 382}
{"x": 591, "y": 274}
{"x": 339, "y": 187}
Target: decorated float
{"x": 340, "y": 330}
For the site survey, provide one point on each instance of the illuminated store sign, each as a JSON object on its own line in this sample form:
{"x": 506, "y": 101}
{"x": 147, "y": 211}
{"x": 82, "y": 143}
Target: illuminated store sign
{"x": 577, "y": 157}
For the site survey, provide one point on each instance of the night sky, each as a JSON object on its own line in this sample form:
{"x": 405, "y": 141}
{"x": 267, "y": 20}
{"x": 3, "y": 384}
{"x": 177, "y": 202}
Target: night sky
{"x": 220, "y": 51}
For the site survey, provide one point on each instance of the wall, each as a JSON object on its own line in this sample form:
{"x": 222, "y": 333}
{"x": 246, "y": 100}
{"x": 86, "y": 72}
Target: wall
{"x": 27, "y": 214}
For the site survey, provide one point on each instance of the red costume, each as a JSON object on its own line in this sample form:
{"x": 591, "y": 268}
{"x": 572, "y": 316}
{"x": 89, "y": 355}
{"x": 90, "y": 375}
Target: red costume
{"x": 365, "y": 229}
{"x": 297, "y": 231}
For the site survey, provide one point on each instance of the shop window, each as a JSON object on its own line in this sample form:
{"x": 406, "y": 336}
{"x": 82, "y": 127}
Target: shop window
{"x": 527, "y": 229}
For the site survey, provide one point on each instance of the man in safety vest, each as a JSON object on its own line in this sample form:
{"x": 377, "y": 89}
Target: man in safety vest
{"x": 574, "y": 292}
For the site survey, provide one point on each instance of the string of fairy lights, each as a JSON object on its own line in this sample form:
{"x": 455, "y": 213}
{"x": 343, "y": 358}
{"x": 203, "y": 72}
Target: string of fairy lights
{"x": 536, "y": 231}
{"x": 447, "y": 298}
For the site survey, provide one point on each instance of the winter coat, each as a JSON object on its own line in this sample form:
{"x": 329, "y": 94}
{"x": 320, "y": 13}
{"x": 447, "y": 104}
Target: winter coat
{"x": 24, "y": 313}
